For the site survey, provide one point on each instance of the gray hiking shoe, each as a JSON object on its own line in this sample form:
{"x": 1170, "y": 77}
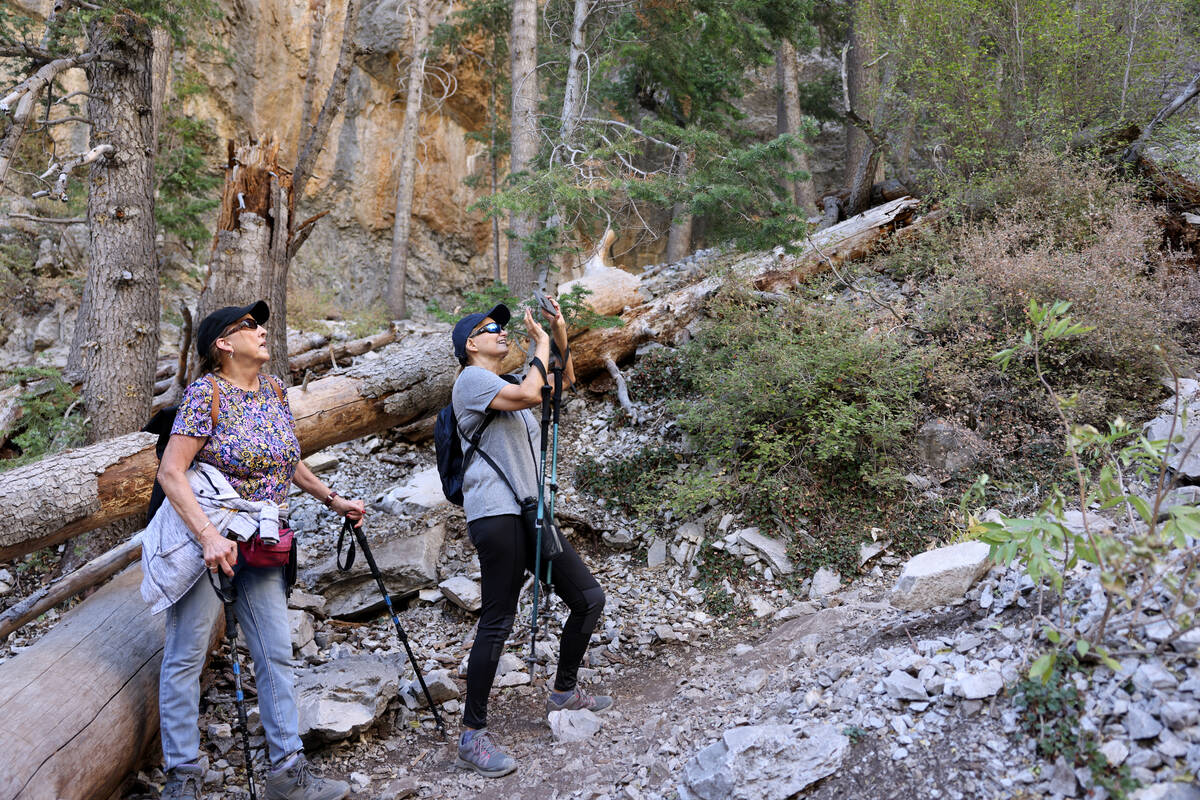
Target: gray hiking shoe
{"x": 183, "y": 783}
{"x": 577, "y": 700}
{"x": 484, "y": 756}
{"x": 298, "y": 783}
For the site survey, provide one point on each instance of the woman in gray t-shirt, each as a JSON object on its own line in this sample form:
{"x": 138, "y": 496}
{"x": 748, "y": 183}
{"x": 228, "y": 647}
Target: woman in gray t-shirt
{"x": 511, "y": 440}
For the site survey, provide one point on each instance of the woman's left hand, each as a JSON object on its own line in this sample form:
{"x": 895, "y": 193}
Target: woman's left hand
{"x": 351, "y": 509}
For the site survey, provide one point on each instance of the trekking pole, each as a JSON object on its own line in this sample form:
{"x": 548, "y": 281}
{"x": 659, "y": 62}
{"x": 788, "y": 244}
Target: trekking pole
{"x": 537, "y": 548}
{"x": 228, "y": 595}
{"x": 357, "y": 533}
{"x": 556, "y": 405}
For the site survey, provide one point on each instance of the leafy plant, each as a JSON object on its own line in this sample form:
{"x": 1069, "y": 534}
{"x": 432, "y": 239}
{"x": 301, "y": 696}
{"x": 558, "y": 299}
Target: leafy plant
{"x": 1155, "y": 564}
{"x": 47, "y": 423}
{"x": 1049, "y": 710}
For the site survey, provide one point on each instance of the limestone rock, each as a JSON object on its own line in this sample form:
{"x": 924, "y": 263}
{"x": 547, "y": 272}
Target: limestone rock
{"x": 322, "y": 462}
{"x": 408, "y": 563}
{"x": 763, "y": 762}
{"x": 441, "y": 685}
{"x": 902, "y": 686}
{"x": 824, "y": 582}
{"x": 1141, "y": 725}
{"x": 937, "y": 577}
{"x": 946, "y": 447}
{"x": 423, "y": 489}
{"x": 1168, "y": 791}
{"x": 656, "y": 555}
{"x": 345, "y": 696}
{"x": 979, "y": 685}
{"x": 772, "y": 550}
{"x": 303, "y": 601}
{"x": 301, "y": 625}
{"x": 463, "y": 592}
{"x": 573, "y": 726}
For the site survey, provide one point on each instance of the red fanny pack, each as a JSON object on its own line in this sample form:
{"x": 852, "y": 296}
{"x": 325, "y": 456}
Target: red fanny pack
{"x": 257, "y": 553}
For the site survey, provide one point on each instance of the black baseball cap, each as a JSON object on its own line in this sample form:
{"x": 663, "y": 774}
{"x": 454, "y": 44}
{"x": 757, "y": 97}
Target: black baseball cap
{"x": 212, "y": 326}
{"x": 463, "y": 328}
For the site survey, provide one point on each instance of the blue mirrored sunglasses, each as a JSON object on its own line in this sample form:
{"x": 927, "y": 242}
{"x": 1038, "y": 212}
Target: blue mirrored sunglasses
{"x": 491, "y": 327}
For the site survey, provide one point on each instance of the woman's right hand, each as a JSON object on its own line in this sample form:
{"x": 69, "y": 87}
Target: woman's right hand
{"x": 535, "y": 330}
{"x": 219, "y": 552}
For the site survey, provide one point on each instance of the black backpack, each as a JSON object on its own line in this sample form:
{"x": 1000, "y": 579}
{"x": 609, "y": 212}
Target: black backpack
{"x": 451, "y": 461}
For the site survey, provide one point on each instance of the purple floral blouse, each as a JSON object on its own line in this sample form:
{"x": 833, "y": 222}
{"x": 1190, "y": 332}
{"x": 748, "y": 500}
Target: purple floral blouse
{"x": 254, "y": 445}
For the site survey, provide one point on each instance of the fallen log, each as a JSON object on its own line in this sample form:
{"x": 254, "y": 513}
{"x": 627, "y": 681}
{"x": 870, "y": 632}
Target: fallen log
{"x": 54, "y": 499}
{"x": 664, "y": 319}
{"x": 318, "y": 360}
{"x": 79, "y": 709}
{"x": 91, "y": 574}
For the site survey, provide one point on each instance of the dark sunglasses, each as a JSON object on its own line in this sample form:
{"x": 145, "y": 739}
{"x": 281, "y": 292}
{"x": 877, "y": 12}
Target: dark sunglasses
{"x": 245, "y": 324}
{"x": 491, "y": 327}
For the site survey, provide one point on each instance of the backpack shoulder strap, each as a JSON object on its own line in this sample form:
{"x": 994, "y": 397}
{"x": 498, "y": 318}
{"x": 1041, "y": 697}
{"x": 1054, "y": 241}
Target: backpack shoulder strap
{"x": 276, "y": 386}
{"x": 216, "y": 400}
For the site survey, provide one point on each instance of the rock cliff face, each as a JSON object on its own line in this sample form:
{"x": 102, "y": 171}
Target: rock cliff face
{"x": 257, "y": 88}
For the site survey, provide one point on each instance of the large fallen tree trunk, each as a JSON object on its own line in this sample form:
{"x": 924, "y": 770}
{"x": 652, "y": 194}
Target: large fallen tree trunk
{"x": 67, "y": 494}
{"x": 59, "y": 497}
{"x": 664, "y": 318}
{"x": 79, "y": 710}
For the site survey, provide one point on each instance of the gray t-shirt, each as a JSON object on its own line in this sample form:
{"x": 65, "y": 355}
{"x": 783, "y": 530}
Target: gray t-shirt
{"x": 511, "y": 440}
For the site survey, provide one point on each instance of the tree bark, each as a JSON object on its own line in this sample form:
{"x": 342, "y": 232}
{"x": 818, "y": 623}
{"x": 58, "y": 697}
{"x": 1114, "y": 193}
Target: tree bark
{"x": 523, "y": 225}
{"x": 679, "y": 237}
{"x": 79, "y": 709}
{"x": 406, "y": 175}
{"x": 572, "y": 107}
{"x": 120, "y": 301}
{"x": 792, "y": 121}
{"x": 857, "y": 84}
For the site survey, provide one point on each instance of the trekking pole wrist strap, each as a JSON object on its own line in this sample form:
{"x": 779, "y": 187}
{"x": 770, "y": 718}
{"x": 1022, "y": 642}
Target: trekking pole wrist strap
{"x": 537, "y": 362}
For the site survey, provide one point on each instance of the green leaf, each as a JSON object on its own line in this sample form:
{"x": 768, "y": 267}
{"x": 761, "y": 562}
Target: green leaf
{"x": 1082, "y": 647}
{"x": 1040, "y": 670}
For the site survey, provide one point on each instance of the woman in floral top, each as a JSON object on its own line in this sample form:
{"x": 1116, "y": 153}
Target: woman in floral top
{"x": 254, "y": 446}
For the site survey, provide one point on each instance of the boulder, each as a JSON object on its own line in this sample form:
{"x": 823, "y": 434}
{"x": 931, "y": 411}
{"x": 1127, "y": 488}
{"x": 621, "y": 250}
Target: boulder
{"x": 1184, "y": 455}
{"x": 345, "y": 696}
{"x": 763, "y": 762}
{"x": 408, "y": 562}
{"x": 301, "y": 625}
{"x": 423, "y": 489}
{"x": 824, "y": 582}
{"x": 937, "y": 577}
{"x": 656, "y": 554}
{"x": 573, "y": 726}
{"x": 946, "y": 447}
{"x": 773, "y": 551}
{"x": 463, "y": 592}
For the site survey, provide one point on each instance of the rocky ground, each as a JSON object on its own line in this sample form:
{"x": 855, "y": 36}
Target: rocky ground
{"x": 827, "y": 690}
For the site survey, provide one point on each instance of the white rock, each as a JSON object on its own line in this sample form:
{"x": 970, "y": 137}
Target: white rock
{"x": 300, "y": 624}
{"x": 1141, "y": 725}
{"x": 322, "y": 462}
{"x": 512, "y": 679}
{"x": 902, "y": 686}
{"x": 939, "y": 576}
{"x": 656, "y": 554}
{"x": 573, "y": 726}
{"x": 979, "y": 685}
{"x": 824, "y": 582}
{"x": 509, "y": 662}
{"x": 1115, "y": 752}
{"x": 423, "y": 489}
{"x": 760, "y": 606}
{"x": 463, "y": 592}
{"x": 773, "y": 550}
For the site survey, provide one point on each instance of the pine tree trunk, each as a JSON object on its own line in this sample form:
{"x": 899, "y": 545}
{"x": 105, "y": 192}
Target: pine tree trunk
{"x": 679, "y": 238}
{"x": 572, "y": 106}
{"x": 120, "y": 305}
{"x": 524, "y": 136}
{"x": 791, "y": 121}
{"x": 398, "y": 269}
{"x": 860, "y": 88}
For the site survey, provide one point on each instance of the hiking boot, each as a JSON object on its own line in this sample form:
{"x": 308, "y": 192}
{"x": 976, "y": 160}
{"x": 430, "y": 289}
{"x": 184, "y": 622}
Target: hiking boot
{"x": 183, "y": 783}
{"x": 298, "y": 783}
{"x": 577, "y": 700}
{"x": 484, "y": 756}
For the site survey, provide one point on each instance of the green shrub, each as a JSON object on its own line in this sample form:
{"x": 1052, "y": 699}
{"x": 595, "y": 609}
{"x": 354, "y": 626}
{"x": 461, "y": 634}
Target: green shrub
{"x": 796, "y": 389}
{"x": 47, "y": 423}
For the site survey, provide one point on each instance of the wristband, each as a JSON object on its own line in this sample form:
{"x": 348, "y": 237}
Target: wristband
{"x": 328, "y": 501}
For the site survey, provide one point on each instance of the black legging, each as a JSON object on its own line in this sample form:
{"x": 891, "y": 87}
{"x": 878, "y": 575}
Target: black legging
{"x": 503, "y": 561}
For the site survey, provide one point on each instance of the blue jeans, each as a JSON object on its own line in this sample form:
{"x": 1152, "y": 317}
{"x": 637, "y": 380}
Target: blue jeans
{"x": 261, "y": 610}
